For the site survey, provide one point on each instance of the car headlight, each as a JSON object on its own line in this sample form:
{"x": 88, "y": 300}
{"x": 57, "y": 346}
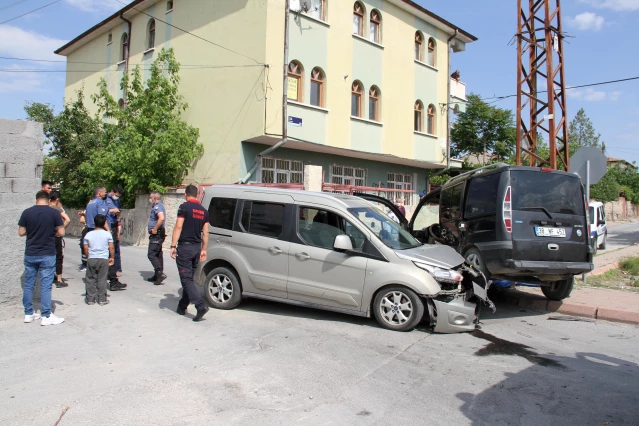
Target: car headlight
{"x": 442, "y": 275}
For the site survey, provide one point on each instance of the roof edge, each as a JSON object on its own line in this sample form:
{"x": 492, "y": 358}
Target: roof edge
{"x": 440, "y": 19}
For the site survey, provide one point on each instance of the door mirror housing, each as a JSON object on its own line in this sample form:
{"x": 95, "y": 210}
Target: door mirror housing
{"x": 343, "y": 244}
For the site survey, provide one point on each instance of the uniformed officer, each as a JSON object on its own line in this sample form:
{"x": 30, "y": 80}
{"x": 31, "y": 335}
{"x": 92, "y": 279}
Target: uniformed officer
{"x": 188, "y": 247}
{"x": 115, "y": 194}
{"x": 157, "y": 234}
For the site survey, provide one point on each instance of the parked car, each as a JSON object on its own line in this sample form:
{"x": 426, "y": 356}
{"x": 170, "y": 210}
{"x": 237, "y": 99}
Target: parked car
{"x": 598, "y": 228}
{"x": 333, "y": 252}
{"x": 524, "y": 224}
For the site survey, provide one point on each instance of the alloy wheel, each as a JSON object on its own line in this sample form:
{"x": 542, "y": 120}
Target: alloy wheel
{"x": 396, "y": 308}
{"x": 221, "y": 288}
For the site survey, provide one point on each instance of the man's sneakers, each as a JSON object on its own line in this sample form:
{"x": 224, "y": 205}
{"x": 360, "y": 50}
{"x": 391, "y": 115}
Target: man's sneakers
{"x": 160, "y": 279}
{"x": 82, "y": 268}
{"x": 60, "y": 284}
{"x": 200, "y": 313}
{"x": 116, "y": 285}
{"x": 51, "y": 320}
{"x": 30, "y": 318}
{"x": 180, "y": 311}
{"x": 157, "y": 278}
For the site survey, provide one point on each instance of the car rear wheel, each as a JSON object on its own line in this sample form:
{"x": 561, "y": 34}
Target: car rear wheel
{"x": 222, "y": 289}
{"x": 559, "y": 290}
{"x": 398, "y": 308}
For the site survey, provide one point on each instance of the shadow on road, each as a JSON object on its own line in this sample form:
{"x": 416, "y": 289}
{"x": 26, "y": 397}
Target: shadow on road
{"x": 589, "y": 389}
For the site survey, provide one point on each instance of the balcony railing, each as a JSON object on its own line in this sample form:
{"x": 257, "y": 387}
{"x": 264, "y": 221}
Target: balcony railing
{"x": 457, "y": 89}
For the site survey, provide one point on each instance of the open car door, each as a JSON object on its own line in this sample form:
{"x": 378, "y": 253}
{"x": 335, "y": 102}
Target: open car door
{"x": 424, "y": 225}
{"x": 386, "y": 206}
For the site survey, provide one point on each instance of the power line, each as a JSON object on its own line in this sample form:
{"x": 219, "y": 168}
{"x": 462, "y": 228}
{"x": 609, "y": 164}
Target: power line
{"x": 190, "y": 33}
{"x": 31, "y": 11}
{"x": 12, "y": 4}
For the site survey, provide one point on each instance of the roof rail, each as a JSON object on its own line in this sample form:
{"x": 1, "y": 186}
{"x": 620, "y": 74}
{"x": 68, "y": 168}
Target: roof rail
{"x": 475, "y": 171}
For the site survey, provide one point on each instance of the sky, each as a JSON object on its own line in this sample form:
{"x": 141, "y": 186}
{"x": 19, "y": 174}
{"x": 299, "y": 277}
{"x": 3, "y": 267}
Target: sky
{"x": 602, "y": 46}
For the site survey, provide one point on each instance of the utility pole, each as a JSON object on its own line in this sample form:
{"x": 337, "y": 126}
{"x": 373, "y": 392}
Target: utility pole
{"x": 285, "y": 78}
{"x": 540, "y": 58}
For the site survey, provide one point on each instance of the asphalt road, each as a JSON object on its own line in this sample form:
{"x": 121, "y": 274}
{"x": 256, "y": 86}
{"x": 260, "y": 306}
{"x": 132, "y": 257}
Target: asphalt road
{"x": 136, "y": 362}
{"x": 623, "y": 235}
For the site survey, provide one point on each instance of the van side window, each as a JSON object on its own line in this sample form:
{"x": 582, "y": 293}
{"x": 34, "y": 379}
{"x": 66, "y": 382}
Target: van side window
{"x": 482, "y": 195}
{"x": 265, "y": 219}
{"x": 222, "y": 212}
{"x": 320, "y": 227}
{"x": 451, "y": 203}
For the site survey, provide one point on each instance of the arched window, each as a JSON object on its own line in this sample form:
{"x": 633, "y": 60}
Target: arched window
{"x": 169, "y": 5}
{"x": 430, "y": 125}
{"x": 317, "y": 87}
{"x": 419, "y": 116}
{"x": 357, "y": 91}
{"x": 432, "y": 52}
{"x": 125, "y": 47}
{"x": 374, "y": 96}
{"x": 419, "y": 46}
{"x": 358, "y": 19}
{"x": 295, "y": 74}
{"x": 121, "y": 103}
{"x": 375, "y": 27}
{"x": 150, "y": 40}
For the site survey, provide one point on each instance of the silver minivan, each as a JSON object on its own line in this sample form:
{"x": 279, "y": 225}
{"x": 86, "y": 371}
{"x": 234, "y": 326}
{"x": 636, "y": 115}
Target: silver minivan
{"x": 333, "y": 252}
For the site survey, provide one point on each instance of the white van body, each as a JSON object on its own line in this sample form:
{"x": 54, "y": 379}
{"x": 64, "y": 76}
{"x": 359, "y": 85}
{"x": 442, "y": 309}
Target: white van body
{"x": 598, "y": 228}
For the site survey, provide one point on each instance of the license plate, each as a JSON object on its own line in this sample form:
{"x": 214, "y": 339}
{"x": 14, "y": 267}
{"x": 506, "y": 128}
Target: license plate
{"x": 544, "y": 231}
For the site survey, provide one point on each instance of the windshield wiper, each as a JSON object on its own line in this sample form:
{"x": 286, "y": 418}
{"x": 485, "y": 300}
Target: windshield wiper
{"x": 543, "y": 209}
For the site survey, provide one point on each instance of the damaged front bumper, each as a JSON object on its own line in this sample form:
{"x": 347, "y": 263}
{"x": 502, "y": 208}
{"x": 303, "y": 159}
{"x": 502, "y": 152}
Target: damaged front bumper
{"x": 455, "y": 311}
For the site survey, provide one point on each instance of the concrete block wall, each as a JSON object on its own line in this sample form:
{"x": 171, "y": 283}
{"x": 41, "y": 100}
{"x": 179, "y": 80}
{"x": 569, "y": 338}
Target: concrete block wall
{"x": 21, "y": 160}
{"x": 621, "y": 210}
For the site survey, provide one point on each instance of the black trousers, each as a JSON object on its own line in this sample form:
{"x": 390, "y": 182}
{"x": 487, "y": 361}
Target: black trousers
{"x": 155, "y": 250}
{"x": 188, "y": 257}
{"x": 85, "y": 231}
{"x": 113, "y": 270}
{"x": 59, "y": 255}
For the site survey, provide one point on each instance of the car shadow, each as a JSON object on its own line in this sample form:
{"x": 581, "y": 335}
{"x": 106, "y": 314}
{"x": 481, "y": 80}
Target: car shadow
{"x": 591, "y": 388}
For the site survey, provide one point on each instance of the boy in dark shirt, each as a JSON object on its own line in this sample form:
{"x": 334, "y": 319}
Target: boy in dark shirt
{"x": 40, "y": 224}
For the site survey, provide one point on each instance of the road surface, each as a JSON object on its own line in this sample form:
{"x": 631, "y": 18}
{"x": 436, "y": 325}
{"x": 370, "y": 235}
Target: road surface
{"x": 136, "y": 362}
{"x": 622, "y": 235}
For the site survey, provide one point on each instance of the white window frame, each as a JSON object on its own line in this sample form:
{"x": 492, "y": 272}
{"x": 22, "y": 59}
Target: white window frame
{"x": 348, "y": 175}
{"x": 281, "y": 170}
{"x": 400, "y": 181}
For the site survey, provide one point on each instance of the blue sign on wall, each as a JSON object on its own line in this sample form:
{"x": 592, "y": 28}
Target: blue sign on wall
{"x": 294, "y": 121}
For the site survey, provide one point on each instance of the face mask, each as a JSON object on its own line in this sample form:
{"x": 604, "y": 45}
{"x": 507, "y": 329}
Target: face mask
{"x": 115, "y": 197}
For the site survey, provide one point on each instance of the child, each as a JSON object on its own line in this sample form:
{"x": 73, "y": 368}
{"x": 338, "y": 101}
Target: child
{"x": 99, "y": 251}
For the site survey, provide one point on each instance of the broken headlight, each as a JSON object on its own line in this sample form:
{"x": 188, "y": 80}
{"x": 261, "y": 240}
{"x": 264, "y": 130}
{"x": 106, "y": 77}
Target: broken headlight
{"x": 441, "y": 275}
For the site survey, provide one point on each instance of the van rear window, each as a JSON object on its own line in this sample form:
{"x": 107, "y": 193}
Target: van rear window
{"x": 556, "y": 193}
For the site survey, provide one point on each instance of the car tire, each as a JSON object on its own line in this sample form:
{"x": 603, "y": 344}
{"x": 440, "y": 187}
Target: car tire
{"x": 561, "y": 291}
{"x": 603, "y": 243}
{"x": 222, "y": 288}
{"x": 474, "y": 258}
{"x": 595, "y": 248}
{"x": 387, "y": 308}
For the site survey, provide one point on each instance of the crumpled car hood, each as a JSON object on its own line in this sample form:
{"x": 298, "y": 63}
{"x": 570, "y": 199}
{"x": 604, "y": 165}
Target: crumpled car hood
{"x": 434, "y": 254}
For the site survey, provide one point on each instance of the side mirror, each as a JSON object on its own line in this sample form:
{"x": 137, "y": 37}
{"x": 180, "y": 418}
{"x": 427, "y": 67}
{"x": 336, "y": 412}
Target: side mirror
{"x": 343, "y": 243}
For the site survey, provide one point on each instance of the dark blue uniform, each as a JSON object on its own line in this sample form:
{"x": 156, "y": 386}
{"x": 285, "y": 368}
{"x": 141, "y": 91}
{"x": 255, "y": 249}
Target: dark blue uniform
{"x": 155, "y": 241}
{"x": 116, "y": 241}
{"x": 188, "y": 251}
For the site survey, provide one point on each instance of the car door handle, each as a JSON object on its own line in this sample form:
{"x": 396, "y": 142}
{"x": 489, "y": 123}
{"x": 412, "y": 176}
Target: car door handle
{"x": 275, "y": 250}
{"x": 302, "y": 256}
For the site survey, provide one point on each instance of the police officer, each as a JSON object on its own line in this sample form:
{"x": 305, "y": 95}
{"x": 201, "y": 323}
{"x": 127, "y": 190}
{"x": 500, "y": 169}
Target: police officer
{"x": 157, "y": 234}
{"x": 113, "y": 218}
{"x": 188, "y": 247}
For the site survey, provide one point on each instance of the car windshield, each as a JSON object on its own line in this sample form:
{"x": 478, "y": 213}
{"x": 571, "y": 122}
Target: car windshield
{"x": 386, "y": 229}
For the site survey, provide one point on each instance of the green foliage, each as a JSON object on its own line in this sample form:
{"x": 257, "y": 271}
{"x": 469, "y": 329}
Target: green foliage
{"x": 483, "y": 128}
{"x": 582, "y": 133}
{"x": 630, "y": 265}
{"x": 606, "y": 190}
{"x": 144, "y": 146}
{"x": 439, "y": 180}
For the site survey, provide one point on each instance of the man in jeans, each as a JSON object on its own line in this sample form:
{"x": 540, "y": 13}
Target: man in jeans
{"x": 40, "y": 224}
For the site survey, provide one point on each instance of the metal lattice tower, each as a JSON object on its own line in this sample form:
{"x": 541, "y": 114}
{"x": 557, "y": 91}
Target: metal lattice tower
{"x": 541, "y": 90}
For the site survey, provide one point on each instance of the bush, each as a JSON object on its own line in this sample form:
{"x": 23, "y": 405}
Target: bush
{"x": 630, "y": 265}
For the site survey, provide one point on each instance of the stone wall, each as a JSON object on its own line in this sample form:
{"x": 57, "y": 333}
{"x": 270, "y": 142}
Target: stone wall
{"x": 621, "y": 210}
{"x": 21, "y": 160}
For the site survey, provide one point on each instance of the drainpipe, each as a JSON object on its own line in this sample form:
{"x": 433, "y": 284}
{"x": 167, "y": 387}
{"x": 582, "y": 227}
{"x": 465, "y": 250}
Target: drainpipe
{"x": 284, "y": 102}
{"x": 128, "y": 49}
{"x": 447, "y": 116}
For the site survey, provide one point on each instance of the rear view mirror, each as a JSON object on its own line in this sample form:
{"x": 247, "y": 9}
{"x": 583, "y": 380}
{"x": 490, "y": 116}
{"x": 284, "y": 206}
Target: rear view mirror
{"x": 343, "y": 243}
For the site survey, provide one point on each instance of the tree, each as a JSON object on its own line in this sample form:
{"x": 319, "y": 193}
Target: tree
{"x": 581, "y": 133}
{"x": 483, "y": 128}
{"x": 143, "y": 146}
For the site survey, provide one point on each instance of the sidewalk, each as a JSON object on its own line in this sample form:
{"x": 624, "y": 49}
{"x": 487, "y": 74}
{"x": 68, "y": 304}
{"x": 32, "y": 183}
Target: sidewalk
{"x": 610, "y": 260}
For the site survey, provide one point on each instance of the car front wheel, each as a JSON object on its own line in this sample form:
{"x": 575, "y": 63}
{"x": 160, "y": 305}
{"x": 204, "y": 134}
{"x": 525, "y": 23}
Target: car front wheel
{"x": 398, "y": 308}
{"x": 559, "y": 290}
{"x": 222, "y": 289}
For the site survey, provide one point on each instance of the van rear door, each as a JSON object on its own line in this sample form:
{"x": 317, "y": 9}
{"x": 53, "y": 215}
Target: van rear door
{"x": 548, "y": 216}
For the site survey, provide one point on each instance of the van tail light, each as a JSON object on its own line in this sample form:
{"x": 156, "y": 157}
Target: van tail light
{"x": 508, "y": 211}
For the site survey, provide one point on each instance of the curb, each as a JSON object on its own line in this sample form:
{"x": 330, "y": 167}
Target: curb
{"x": 539, "y": 303}
{"x": 603, "y": 269}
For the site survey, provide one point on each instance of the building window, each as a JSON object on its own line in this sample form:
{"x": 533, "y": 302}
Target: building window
{"x": 109, "y": 38}
{"x": 373, "y": 103}
{"x": 345, "y": 175}
{"x": 125, "y": 47}
{"x": 403, "y": 182}
{"x": 431, "y": 52}
{"x": 151, "y": 35}
{"x": 376, "y": 25}
{"x": 419, "y": 46}
{"x": 419, "y": 116}
{"x": 169, "y": 5}
{"x": 356, "y": 99}
{"x": 121, "y": 103}
{"x": 358, "y": 19}
{"x": 430, "y": 128}
{"x": 277, "y": 170}
{"x": 317, "y": 87}
{"x": 318, "y": 9}
{"x": 295, "y": 73}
